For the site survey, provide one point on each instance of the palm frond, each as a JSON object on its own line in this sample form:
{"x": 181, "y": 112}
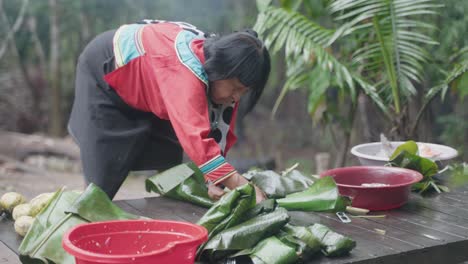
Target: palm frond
{"x": 456, "y": 73}
{"x": 396, "y": 39}
{"x": 303, "y": 38}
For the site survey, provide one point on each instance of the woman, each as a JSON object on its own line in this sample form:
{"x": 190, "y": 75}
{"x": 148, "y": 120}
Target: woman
{"x": 147, "y": 92}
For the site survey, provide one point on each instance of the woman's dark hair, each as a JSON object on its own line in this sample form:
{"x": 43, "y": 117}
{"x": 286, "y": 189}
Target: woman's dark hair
{"x": 239, "y": 55}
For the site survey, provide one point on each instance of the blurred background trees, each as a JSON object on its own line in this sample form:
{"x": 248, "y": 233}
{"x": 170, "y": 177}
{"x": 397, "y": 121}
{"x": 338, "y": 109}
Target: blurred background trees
{"x": 346, "y": 78}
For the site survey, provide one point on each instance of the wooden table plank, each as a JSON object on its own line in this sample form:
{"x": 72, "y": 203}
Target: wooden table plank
{"x": 419, "y": 222}
{"x": 8, "y": 235}
{"x": 169, "y": 209}
{"x": 8, "y": 256}
{"x": 437, "y": 205}
{"x": 435, "y": 215}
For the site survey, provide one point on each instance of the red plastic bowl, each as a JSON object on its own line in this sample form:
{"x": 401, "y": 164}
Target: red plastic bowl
{"x": 134, "y": 241}
{"x": 350, "y": 179}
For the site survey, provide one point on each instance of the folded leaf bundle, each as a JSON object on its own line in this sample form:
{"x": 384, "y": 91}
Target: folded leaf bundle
{"x": 322, "y": 196}
{"x": 184, "y": 182}
{"x": 271, "y": 251}
{"x": 332, "y": 243}
{"x": 278, "y": 186}
{"x": 229, "y": 210}
{"x": 244, "y": 236}
{"x": 304, "y": 234}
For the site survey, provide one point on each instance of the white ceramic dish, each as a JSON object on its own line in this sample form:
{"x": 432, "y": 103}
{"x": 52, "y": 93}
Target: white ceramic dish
{"x": 369, "y": 154}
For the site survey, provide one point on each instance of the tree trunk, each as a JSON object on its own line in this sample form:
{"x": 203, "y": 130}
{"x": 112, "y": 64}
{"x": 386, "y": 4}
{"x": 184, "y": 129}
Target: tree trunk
{"x": 56, "y": 119}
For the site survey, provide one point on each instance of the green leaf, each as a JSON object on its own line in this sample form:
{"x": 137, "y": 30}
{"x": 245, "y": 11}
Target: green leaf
{"x": 323, "y": 195}
{"x": 273, "y": 251}
{"x": 409, "y": 146}
{"x": 304, "y": 234}
{"x": 43, "y": 242}
{"x": 229, "y": 210}
{"x": 262, "y": 5}
{"x": 184, "y": 182}
{"x": 303, "y": 251}
{"x": 278, "y": 186}
{"x": 244, "y": 235}
{"x": 426, "y": 167}
{"x": 91, "y": 201}
{"x": 333, "y": 244}
{"x": 167, "y": 180}
{"x": 457, "y": 175}
{"x": 407, "y": 160}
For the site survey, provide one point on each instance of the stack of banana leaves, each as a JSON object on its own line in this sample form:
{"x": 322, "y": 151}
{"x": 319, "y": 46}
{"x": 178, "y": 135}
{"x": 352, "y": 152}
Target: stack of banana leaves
{"x": 66, "y": 209}
{"x": 242, "y": 232}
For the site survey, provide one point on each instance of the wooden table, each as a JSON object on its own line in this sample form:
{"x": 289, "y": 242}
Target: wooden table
{"x": 426, "y": 230}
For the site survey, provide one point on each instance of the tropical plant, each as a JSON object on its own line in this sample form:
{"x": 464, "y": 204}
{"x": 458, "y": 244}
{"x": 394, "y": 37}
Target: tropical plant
{"x": 375, "y": 47}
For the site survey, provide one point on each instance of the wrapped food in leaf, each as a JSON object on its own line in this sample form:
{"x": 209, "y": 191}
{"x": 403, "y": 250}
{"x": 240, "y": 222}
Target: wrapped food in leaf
{"x": 244, "y": 236}
{"x": 322, "y": 196}
{"x": 332, "y": 243}
{"x": 20, "y": 210}
{"x": 304, "y": 234}
{"x": 10, "y": 200}
{"x": 278, "y": 186}
{"x": 263, "y": 207}
{"x": 23, "y": 224}
{"x": 184, "y": 182}
{"x": 273, "y": 251}
{"x": 229, "y": 210}
{"x": 303, "y": 251}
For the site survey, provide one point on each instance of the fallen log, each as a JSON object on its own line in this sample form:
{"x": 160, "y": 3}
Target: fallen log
{"x": 20, "y": 146}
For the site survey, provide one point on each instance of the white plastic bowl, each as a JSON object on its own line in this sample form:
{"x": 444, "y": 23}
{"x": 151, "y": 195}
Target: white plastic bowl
{"x": 368, "y": 153}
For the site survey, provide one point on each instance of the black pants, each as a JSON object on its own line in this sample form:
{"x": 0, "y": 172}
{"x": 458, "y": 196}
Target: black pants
{"x": 113, "y": 137}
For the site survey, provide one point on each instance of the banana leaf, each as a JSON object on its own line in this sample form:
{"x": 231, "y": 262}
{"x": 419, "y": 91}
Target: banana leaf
{"x": 409, "y": 146}
{"x": 93, "y": 205}
{"x": 332, "y": 243}
{"x": 426, "y": 167}
{"x": 244, "y": 236}
{"x": 184, "y": 182}
{"x": 304, "y": 234}
{"x": 320, "y": 197}
{"x": 270, "y": 251}
{"x": 263, "y": 207}
{"x": 229, "y": 210}
{"x": 43, "y": 242}
{"x": 278, "y": 186}
{"x": 303, "y": 251}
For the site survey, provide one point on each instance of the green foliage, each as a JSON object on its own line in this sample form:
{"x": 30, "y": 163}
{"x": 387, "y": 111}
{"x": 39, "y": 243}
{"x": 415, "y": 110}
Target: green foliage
{"x": 379, "y": 47}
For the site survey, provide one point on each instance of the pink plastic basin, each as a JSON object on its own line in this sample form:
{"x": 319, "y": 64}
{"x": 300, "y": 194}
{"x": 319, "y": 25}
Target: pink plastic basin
{"x": 350, "y": 179}
{"x": 134, "y": 241}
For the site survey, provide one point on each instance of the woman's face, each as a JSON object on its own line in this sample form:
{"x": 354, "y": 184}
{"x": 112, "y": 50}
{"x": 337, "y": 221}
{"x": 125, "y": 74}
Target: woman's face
{"x": 227, "y": 91}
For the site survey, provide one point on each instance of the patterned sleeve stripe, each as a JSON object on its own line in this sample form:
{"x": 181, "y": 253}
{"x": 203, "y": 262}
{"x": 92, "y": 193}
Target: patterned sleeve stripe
{"x": 128, "y": 43}
{"x": 118, "y": 55}
{"x": 224, "y": 177}
{"x": 213, "y": 164}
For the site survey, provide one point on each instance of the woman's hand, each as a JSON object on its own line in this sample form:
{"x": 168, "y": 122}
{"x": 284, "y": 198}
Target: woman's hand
{"x": 214, "y": 192}
{"x": 259, "y": 195}
{"x": 237, "y": 180}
